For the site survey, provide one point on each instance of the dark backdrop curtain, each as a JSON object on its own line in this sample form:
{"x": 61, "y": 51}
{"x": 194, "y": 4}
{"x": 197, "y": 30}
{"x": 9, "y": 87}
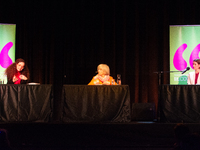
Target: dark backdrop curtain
{"x": 63, "y": 42}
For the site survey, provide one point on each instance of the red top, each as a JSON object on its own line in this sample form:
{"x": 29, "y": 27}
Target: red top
{"x": 19, "y": 80}
{"x": 196, "y": 77}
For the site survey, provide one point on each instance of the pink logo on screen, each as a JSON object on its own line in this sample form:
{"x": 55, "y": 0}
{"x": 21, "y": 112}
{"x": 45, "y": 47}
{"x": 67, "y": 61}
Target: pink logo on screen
{"x": 179, "y": 62}
{"x": 194, "y": 54}
{"x": 5, "y": 60}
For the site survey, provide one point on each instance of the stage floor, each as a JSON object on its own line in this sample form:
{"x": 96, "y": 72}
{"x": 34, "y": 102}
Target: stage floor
{"x": 133, "y": 135}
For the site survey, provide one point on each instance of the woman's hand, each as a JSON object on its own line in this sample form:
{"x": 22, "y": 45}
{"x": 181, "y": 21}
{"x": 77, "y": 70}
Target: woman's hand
{"x": 23, "y": 77}
{"x": 15, "y": 79}
{"x": 106, "y": 83}
{"x": 96, "y": 82}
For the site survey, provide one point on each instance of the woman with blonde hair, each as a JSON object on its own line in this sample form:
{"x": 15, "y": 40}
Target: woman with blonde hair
{"x": 103, "y": 77}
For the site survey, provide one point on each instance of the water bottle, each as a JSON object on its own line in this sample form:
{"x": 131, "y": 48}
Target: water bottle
{"x": 119, "y": 79}
{"x": 1, "y": 79}
{"x": 112, "y": 82}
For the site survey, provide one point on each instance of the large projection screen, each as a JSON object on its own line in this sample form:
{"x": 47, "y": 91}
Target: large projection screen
{"x": 7, "y": 48}
{"x": 184, "y": 48}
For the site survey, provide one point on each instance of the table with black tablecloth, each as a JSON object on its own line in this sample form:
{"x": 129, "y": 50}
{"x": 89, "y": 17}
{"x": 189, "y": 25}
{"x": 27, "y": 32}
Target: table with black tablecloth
{"x": 26, "y": 103}
{"x": 96, "y": 103}
{"x": 180, "y": 103}
{"x": 80, "y": 103}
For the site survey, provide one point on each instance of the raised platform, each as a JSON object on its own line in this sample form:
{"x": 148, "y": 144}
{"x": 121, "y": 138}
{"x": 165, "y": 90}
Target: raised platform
{"x": 134, "y": 135}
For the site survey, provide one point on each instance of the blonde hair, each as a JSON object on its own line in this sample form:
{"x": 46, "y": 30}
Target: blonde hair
{"x": 105, "y": 68}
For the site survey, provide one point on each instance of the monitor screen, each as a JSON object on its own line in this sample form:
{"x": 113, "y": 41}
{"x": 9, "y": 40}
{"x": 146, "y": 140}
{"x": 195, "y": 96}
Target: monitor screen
{"x": 184, "y": 48}
{"x": 7, "y": 48}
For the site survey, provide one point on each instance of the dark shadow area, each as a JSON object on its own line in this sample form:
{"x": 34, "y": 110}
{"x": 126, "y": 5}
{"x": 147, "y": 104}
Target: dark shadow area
{"x": 134, "y": 135}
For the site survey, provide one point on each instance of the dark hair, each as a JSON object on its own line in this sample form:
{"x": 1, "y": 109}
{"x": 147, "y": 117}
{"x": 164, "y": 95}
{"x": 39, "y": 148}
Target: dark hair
{"x": 11, "y": 70}
{"x": 181, "y": 130}
{"x": 4, "y": 142}
{"x": 19, "y": 60}
{"x": 197, "y": 60}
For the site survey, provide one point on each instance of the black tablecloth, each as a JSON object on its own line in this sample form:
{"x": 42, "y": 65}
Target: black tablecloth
{"x": 25, "y": 103}
{"x": 180, "y": 103}
{"x": 96, "y": 103}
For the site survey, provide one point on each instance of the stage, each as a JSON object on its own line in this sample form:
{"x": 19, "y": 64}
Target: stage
{"x": 133, "y": 135}
{"x": 94, "y": 117}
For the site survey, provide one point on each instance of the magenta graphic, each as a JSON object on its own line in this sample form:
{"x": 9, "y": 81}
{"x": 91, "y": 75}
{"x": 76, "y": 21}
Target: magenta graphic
{"x": 194, "y": 55}
{"x": 5, "y": 60}
{"x": 178, "y": 61}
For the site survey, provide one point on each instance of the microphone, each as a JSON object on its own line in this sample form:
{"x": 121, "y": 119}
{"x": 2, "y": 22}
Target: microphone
{"x": 188, "y": 68}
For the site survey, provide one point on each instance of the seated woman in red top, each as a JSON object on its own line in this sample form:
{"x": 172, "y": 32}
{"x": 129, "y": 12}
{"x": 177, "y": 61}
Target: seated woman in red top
{"x": 17, "y": 73}
{"x": 103, "y": 77}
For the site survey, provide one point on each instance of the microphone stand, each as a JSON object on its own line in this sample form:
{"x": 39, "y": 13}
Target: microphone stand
{"x": 159, "y": 89}
{"x": 162, "y": 72}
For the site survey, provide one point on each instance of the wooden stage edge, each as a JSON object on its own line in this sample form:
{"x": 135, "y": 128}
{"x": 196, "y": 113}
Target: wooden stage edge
{"x": 133, "y": 135}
